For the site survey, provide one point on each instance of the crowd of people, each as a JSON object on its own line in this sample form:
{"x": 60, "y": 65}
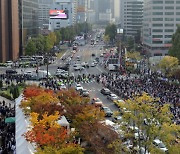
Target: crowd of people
{"x": 7, "y": 129}
{"x": 56, "y": 83}
{"x": 157, "y": 87}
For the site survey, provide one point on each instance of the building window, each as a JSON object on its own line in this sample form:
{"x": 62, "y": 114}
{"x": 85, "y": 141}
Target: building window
{"x": 169, "y": 30}
{"x": 157, "y": 13}
{"x": 157, "y": 7}
{"x": 157, "y": 42}
{"x": 169, "y": 13}
{"x": 157, "y": 25}
{"x": 169, "y": 7}
{"x": 167, "y": 42}
{"x": 177, "y": 19}
{"x": 169, "y": 2}
{"x": 157, "y": 36}
{"x": 177, "y": 7}
{"x": 177, "y": 13}
{"x": 157, "y": 30}
{"x": 157, "y": 19}
{"x": 169, "y": 25}
{"x": 157, "y": 2}
{"x": 167, "y": 36}
{"x": 169, "y": 19}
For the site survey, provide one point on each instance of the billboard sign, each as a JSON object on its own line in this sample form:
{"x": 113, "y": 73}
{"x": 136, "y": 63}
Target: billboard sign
{"x": 58, "y": 14}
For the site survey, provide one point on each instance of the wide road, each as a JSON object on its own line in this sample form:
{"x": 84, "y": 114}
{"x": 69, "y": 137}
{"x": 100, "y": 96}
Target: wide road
{"x": 85, "y": 53}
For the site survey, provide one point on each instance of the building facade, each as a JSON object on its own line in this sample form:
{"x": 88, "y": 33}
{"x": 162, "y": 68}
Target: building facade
{"x": 159, "y": 24}
{"x": 69, "y": 7}
{"x": 131, "y": 16}
{"x": 43, "y": 12}
{"x": 9, "y": 30}
{"x": 82, "y": 11}
{"x": 28, "y": 21}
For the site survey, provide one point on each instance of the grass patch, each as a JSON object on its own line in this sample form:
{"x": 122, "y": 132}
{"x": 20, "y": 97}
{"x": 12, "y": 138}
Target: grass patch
{"x": 59, "y": 55}
{"x": 6, "y": 93}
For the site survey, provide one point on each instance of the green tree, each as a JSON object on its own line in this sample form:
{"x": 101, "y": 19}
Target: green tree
{"x": 134, "y": 55}
{"x": 40, "y": 43}
{"x": 130, "y": 43}
{"x": 168, "y": 64}
{"x": 111, "y": 31}
{"x": 175, "y": 49}
{"x": 58, "y": 37}
{"x": 30, "y": 48}
{"x": 149, "y": 120}
{"x": 50, "y": 40}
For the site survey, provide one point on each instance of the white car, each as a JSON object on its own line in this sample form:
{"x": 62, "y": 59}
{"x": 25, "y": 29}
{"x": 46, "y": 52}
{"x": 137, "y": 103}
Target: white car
{"x": 112, "y": 97}
{"x": 79, "y": 87}
{"x": 79, "y": 68}
{"x": 159, "y": 144}
{"x": 93, "y": 65}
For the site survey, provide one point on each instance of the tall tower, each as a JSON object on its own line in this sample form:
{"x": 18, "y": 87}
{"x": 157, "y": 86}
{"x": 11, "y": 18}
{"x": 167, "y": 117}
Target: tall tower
{"x": 131, "y": 16}
{"x": 9, "y": 30}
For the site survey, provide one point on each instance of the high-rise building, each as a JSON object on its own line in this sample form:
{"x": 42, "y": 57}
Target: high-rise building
{"x": 117, "y": 11}
{"x": 43, "y": 12}
{"x": 160, "y": 23}
{"x": 62, "y": 14}
{"x": 9, "y": 30}
{"x": 28, "y": 17}
{"x": 131, "y": 16}
{"x": 82, "y": 11}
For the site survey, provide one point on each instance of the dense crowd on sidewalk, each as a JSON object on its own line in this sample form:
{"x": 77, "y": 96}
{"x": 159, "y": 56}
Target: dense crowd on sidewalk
{"x": 7, "y": 130}
{"x": 155, "y": 86}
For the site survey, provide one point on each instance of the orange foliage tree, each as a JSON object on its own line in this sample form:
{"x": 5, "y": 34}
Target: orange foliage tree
{"x": 44, "y": 101}
{"x": 46, "y": 132}
{"x": 71, "y": 97}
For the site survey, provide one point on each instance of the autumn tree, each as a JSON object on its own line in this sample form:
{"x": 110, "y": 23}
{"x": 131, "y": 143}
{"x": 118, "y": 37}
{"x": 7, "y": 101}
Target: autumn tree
{"x": 134, "y": 55}
{"x": 32, "y": 91}
{"x": 98, "y": 136}
{"x": 145, "y": 119}
{"x": 40, "y": 101}
{"x": 67, "y": 149}
{"x": 46, "y": 132}
{"x": 71, "y": 97}
{"x": 167, "y": 64}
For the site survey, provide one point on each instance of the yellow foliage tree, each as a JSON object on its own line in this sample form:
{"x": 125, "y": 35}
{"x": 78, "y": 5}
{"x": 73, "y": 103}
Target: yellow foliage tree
{"x": 168, "y": 63}
{"x": 153, "y": 121}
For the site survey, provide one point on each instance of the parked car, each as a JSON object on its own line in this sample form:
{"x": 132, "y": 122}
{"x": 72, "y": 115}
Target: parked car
{"x": 160, "y": 145}
{"x": 112, "y": 97}
{"x": 97, "y": 102}
{"x": 84, "y": 93}
{"x": 107, "y": 111}
{"x": 105, "y": 91}
{"x": 117, "y": 119}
